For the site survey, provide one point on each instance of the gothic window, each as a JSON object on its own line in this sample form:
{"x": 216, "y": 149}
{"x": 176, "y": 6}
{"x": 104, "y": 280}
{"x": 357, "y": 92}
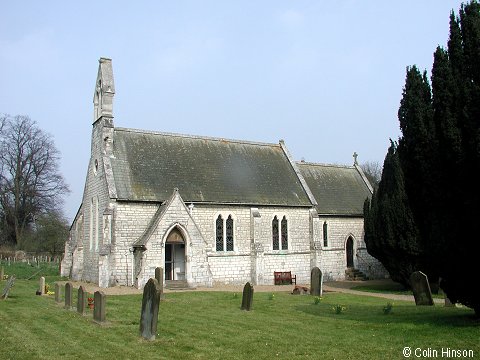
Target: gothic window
{"x": 96, "y": 223}
{"x": 325, "y": 234}
{"x": 90, "y": 220}
{"x": 284, "y": 234}
{"x": 229, "y": 233}
{"x": 219, "y": 234}
{"x": 275, "y": 236}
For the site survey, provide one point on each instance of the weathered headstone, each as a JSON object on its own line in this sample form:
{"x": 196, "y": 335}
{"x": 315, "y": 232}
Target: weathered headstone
{"x": 81, "y": 300}
{"x": 316, "y": 282}
{"x": 57, "y": 293}
{"x": 421, "y": 288}
{"x": 247, "y": 298}
{"x": 8, "y": 286}
{"x": 159, "y": 277}
{"x": 41, "y": 286}
{"x": 68, "y": 295}
{"x": 99, "y": 309}
{"x": 150, "y": 305}
{"x": 2, "y": 273}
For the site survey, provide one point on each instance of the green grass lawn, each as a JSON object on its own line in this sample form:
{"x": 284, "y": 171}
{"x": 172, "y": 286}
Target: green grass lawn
{"x": 210, "y": 325}
{"x": 391, "y": 288}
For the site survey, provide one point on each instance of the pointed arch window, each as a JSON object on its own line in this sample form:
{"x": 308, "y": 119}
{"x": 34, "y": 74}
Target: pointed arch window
{"x": 229, "y": 233}
{"x": 325, "y": 234}
{"x": 284, "y": 233}
{"x": 224, "y": 234}
{"x": 91, "y": 225}
{"x": 219, "y": 233}
{"x": 275, "y": 235}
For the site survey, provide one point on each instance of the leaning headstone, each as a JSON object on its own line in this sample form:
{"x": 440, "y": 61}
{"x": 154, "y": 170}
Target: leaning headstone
{"x": 99, "y": 309}
{"x": 57, "y": 293}
{"x": 150, "y": 305}
{"x": 8, "y": 286}
{"x": 41, "y": 286}
{"x": 421, "y": 288}
{"x": 316, "y": 282}
{"x": 68, "y": 295}
{"x": 159, "y": 277}
{"x": 81, "y": 300}
{"x": 2, "y": 273}
{"x": 247, "y": 298}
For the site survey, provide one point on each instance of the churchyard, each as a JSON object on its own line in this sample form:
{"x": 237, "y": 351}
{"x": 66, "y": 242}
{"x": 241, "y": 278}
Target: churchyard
{"x": 211, "y": 325}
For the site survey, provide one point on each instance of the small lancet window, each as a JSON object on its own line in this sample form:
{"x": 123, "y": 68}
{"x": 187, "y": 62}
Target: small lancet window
{"x": 284, "y": 234}
{"x": 325, "y": 234}
{"x": 229, "y": 233}
{"x": 219, "y": 234}
{"x": 275, "y": 236}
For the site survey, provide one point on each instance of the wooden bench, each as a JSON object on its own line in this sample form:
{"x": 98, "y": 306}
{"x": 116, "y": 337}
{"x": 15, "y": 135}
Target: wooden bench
{"x": 284, "y": 278}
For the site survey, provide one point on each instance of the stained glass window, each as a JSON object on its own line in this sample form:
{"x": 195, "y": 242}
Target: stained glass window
{"x": 325, "y": 234}
{"x": 229, "y": 233}
{"x": 284, "y": 234}
{"x": 275, "y": 236}
{"x": 219, "y": 234}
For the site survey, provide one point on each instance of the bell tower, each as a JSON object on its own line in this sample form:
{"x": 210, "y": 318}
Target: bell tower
{"x": 104, "y": 93}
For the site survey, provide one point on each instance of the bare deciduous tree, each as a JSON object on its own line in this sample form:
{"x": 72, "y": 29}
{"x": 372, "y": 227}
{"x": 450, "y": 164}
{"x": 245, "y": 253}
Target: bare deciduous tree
{"x": 30, "y": 181}
{"x": 373, "y": 172}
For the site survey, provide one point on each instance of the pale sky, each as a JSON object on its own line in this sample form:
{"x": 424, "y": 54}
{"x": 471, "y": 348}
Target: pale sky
{"x": 325, "y": 76}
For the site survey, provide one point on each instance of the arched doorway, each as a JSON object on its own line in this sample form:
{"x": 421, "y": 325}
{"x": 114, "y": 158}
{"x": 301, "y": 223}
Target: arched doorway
{"x": 349, "y": 251}
{"x": 175, "y": 256}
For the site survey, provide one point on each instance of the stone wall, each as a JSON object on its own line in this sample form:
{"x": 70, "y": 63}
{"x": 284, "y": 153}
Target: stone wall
{"x": 333, "y": 261}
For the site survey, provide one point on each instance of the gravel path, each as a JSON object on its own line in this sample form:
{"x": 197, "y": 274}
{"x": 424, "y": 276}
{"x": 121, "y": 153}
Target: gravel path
{"x": 335, "y": 286}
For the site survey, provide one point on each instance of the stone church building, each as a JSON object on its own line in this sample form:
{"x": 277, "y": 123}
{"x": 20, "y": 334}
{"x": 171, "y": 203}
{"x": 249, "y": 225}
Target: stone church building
{"x": 209, "y": 210}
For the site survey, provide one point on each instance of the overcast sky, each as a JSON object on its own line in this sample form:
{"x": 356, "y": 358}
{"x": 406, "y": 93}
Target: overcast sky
{"x": 325, "y": 76}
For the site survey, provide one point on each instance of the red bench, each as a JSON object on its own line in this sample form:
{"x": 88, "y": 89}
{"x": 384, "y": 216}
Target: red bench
{"x": 284, "y": 278}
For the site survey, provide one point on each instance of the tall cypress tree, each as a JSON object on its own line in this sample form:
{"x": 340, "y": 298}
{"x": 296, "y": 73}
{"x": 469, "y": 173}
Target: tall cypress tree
{"x": 390, "y": 231}
{"x": 417, "y": 151}
{"x": 439, "y": 158}
{"x": 462, "y": 246}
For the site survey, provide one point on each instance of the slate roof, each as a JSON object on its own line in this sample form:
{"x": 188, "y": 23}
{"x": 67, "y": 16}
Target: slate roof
{"x": 338, "y": 190}
{"x": 147, "y": 166}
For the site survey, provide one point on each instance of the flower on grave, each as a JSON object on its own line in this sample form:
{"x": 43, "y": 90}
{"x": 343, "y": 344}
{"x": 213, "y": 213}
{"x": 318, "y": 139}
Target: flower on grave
{"x": 90, "y": 300}
{"x": 339, "y": 308}
{"x": 50, "y": 292}
{"x": 316, "y": 300}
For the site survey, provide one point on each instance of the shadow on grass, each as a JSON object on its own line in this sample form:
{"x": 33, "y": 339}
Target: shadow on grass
{"x": 401, "y": 314}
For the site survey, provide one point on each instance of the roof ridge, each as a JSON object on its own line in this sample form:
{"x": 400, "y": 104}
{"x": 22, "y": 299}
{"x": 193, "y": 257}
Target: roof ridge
{"x": 199, "y": 137}
{"x": 325, "y": 165}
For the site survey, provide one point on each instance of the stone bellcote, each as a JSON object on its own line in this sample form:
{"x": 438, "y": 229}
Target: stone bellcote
{"x": 104, "y": 92}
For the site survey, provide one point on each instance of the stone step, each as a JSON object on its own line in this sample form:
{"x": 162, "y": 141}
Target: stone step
{"x": 177, "y": 285}
{"x": 355, "y": 275}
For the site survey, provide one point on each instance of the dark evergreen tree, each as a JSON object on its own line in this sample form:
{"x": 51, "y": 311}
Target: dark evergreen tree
{"x": 459, "y": 117}
{"x": 390, "y": 231}
{"x": 433, "y": 227}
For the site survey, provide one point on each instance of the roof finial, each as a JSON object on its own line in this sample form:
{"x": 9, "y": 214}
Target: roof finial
{"x": 355, "y": 155}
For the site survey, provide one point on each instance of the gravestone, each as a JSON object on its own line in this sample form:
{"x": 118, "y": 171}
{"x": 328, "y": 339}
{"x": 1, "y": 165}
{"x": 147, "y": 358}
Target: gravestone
{"x": 8, "y": 286}
{"x": 81, "y": 300}
{"x": 159, "y": 277}
{"x": 41, "y": 286}
{"x": 150, "y": 305}
{"x": 99, "y": 309}
{"x": 247, "y": 298}
{"x": 421, "y": 288}
{"x": 2, "y": 273}
{"x": 316, "y": 282}
{"x": 68, "y": 295}
{"x": 57, "y": 293}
